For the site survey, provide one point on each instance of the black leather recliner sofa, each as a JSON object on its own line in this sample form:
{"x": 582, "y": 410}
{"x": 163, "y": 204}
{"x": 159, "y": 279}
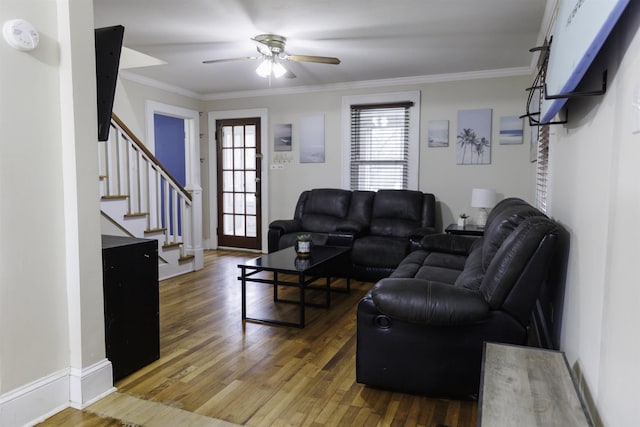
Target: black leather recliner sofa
{"x": 380, "y": 226}
{"x": 422, "y": 329}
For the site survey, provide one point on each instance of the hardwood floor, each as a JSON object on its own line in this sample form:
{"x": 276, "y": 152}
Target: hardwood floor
{"x": 257, "y": 375}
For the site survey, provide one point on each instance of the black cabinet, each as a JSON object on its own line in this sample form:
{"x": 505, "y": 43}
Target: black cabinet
{"x": 131, "y": 303}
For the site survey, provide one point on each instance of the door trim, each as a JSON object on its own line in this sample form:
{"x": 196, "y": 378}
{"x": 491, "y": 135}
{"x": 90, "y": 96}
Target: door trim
{"x": 193, "y": 182}
{"x": 212, "y": 242}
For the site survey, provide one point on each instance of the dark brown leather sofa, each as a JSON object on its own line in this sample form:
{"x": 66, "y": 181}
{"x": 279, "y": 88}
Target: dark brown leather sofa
{"x": 379, "y": 226}
{"x": 422, "y": 329}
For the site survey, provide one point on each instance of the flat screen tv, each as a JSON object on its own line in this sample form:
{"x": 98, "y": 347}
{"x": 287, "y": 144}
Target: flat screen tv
{"x": 580, "y": 30}
{"x": 108, "y": 48}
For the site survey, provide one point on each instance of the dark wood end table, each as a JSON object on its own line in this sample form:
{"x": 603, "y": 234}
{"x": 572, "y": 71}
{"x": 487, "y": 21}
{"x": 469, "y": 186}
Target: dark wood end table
{"x": 467, "y": 230}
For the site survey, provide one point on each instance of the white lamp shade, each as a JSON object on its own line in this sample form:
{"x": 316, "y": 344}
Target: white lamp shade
{"x": 483, "y": 198}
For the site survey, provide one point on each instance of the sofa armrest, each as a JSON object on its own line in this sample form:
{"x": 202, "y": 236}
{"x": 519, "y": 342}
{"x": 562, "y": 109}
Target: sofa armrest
{"x": 448, "y": 243}
{"x": 285, "y": 226}
{"x": 427, "y": 302}
{"x": 418, "y": 234}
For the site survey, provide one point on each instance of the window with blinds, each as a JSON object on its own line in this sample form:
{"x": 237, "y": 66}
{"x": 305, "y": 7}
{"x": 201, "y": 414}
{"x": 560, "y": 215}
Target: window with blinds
{"x": 542, "y": 168}
{"x": 380, "y": 146}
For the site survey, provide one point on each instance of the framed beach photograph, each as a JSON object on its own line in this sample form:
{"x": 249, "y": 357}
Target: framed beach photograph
{"x": 511, "y": 130}
{"x": 438, "y": 133}
{"x": 312, "y": 139}
{"x": 282, "y": 137}
{"x": 474, "y": 137}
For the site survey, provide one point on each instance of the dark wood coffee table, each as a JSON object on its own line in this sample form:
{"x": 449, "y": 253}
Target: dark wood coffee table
{"x": 323, "y": 263}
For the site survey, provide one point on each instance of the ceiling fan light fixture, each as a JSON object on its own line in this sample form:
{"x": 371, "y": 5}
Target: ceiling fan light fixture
{"x": 278, "y": 70}
{"x": 264, "y": 69}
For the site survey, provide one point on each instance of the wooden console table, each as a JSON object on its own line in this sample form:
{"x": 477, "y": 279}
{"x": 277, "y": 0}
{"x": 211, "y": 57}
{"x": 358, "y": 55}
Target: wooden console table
{"x": 526, "y": 386}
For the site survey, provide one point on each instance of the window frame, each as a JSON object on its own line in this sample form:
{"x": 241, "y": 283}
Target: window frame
{"x": 413, "y": 172}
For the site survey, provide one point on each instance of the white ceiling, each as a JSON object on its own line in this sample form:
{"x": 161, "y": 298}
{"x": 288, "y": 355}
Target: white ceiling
{"x": 374, "y": 39}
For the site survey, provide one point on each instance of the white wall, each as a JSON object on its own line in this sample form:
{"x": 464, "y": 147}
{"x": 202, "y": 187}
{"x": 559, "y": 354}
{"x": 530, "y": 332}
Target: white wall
{"x": 130, "y": 104}
{"x": 510, "y": 172}
{"x": 51, "y": 321}
{"x": 595, "y": 192}
{"x": 33, "y": 321}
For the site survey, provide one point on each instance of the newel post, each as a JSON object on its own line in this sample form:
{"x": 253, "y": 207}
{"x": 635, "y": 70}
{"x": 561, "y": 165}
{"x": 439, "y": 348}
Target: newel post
{"x": 195, "y": 247}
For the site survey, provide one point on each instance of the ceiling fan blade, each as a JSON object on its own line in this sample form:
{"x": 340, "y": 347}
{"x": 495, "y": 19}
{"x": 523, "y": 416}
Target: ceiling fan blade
{"x": 262, "y": 47}
{"x": 289, "y": 74}
{"x": 309, "y": 58}
{"x": 241, "y": 58}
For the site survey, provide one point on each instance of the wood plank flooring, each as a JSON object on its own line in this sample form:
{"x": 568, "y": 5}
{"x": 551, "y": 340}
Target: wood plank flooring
{"x": 213, "y": 365}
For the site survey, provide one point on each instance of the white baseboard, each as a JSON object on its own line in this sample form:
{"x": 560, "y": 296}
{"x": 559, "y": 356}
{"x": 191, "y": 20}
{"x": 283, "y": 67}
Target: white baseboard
{"x": 37, "y": 401}
{"x": 90, "y": 384}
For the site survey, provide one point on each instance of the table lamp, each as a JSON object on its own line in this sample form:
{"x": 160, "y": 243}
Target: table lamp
{"x": 483, "y": 199}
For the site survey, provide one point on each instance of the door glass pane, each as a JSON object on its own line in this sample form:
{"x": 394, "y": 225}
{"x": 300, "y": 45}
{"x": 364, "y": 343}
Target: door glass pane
{"x": 250, "y": 183}
{"x": 238, "y": 136}
{"x": 227, "y": 158}
{"x": 251, "y": 205}
{"x": 239, "y": 203}
{"x": 228, "y": 225}
{"x": 227, "y": 203}
{"x": 227, "y": 136}
{"x": 238, "y": 158}
{"x": 239, "y": 181}
{"x": 251, "y": 158}
{"x": 227, "y": 181}
{"x": 250, "y": 135}
{"x": 251, "y": 226}
{"x": 239, "y": 229}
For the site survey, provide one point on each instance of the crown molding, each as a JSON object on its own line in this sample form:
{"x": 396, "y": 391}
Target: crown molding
{"x": 365, "y": 84}
{"x": 132, "y": 76}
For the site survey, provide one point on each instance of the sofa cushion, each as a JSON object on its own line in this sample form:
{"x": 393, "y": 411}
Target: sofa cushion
{"x": 316, "y": 223}
{"x": 361, "y": 207}
{"x": 430, "y": 266}
{"x": 396, "y": 212}
{"x": 324, "y": 209}
{"x": 385, "y": 252}
{"x": 328, "y": 201}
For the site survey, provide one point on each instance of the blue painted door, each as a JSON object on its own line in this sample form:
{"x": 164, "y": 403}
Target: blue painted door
{"x": 170, "y": 151}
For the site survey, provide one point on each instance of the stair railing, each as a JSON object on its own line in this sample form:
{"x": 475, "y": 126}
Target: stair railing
{"x": 129, "y": 170}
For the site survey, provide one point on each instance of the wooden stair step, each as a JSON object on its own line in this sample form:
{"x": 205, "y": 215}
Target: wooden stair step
{"x": 171, "y": 245}
{"x": 155, "y": 230}
{"x": 186, "y": 258}
{"x": 136, "y": 214}
{"x": 114, "y": 197}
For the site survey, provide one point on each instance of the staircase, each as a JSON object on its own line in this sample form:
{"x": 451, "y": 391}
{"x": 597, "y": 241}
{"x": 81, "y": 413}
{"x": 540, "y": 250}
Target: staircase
{"x": 140, "y": 198}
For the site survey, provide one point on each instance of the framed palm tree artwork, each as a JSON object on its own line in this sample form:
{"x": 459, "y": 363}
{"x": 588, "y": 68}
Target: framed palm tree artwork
{"x": 473, "y": 145}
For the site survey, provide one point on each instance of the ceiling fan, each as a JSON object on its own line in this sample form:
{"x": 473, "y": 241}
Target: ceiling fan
{"x": 271, "y": 49}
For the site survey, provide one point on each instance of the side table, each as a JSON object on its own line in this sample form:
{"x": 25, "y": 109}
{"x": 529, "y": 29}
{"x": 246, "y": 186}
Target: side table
{"x": 467, "y": 230}
{"x": 528, "y": 387}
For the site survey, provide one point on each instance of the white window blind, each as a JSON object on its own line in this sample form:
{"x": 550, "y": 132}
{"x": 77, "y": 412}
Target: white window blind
{"x": 542, "y": 156}
{"x": 542, "y": 168}
{"x": 380, "y": 146}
